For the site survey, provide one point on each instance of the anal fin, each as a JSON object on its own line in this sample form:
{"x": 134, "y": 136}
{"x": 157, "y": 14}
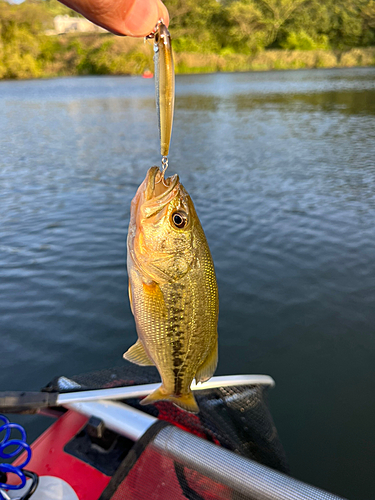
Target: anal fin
{"x": 208, "y": 367}
{"x": 137, "y": 354}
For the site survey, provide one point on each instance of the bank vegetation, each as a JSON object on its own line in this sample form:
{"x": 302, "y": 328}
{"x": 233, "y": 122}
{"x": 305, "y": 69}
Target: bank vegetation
{"x": 208, "y": 36}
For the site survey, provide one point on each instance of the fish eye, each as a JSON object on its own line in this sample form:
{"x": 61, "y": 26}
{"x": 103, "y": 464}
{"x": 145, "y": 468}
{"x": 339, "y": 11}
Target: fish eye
{"x": 179, "y": 219}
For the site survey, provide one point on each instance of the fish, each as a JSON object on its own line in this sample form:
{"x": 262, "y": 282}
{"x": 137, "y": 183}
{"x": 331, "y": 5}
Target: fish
{"x": 164, "y": 85}
{"x": 172, "y": 290}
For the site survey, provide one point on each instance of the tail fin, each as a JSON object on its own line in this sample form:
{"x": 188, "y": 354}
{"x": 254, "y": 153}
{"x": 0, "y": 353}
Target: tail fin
{"x": 185, "y": 401}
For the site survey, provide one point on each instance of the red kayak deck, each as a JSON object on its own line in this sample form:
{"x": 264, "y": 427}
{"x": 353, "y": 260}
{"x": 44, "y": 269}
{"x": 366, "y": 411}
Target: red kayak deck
{"x": 50, "y": 459}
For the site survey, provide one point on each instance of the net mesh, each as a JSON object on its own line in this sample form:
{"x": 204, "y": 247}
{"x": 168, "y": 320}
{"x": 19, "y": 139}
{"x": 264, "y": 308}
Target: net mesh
{"x": 236, "y": 418}
{"x": 155, "y": 476}
{"x": 240, "y": 456}
{"x": 168, "y": 463}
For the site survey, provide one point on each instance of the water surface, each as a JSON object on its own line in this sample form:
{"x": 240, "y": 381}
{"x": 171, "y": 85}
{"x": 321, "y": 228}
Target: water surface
{"x": 281, "y": 167}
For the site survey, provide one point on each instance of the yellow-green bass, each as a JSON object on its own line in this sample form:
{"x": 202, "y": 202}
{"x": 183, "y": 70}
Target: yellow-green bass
{"x": 172, "y": 289}
{"x": 164, "y": 85}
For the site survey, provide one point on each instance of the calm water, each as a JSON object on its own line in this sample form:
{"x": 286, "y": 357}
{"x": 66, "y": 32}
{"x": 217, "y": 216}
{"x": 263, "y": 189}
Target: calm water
{"x": 281, "y": 167}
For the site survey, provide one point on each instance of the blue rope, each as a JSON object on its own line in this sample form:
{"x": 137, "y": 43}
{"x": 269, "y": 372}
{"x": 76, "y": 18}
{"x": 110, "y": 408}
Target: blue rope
{"x": 21, "y": 446}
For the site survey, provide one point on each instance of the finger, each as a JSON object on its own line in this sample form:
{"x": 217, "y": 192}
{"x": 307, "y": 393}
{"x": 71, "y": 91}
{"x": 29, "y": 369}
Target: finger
{"x": 122, "y": 17}
{"x": 141, "y": 19}
{"x": 163, "y": 13}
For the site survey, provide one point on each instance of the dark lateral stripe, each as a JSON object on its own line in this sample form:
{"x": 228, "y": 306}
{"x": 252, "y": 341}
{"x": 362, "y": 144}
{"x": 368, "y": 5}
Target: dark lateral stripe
{"x": 176, "y": 333}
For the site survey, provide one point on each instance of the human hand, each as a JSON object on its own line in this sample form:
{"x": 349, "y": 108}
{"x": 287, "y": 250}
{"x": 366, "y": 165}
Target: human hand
{"x": 122, "y": 17}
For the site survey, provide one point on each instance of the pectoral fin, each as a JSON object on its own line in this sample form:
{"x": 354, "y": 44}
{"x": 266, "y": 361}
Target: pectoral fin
{"x": 185, "y": 401}
{"x": 137, "y": 354}
{"x": 154, "y": 299}
{"x": 208, "y": 367}
{"x": 152, "y": 290}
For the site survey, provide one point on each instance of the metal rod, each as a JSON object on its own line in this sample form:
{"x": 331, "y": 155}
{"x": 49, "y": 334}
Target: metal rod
{"x": 138, "y": 391}
{"x": 246, "y": 477}
{"x": 117, "y": 417}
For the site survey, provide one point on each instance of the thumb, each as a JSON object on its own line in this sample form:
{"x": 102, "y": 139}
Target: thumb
{"x": 143, "y": 16}
{"x": 122, "y": 17}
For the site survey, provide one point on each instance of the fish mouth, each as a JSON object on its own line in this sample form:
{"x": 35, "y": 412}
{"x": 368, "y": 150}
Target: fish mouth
{"x": 159, "y": 188}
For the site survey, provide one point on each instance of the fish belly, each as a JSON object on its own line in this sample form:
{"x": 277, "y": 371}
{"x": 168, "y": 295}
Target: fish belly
{"x": 177, "y": 324}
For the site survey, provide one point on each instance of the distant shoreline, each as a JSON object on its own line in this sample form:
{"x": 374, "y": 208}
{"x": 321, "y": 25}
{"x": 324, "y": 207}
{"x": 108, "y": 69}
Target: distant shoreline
{"x": 92, "y": 54}
{"x": 267, "y": 60}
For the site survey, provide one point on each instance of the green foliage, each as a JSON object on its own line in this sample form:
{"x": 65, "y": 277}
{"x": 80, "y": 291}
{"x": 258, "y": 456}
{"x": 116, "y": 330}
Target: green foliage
{"x": 247, "y": 29}
{"x": 195, "y": 25}
{"x": 107, "y": 59}
{"x": 58, "y": 9}
{"x": 31, "y": 15}
{"x": 368, "y": 15}
{"x": 303, "y": 41}
{"x": 49, "y": 47}
{"x": 345, "y": 23}
{"x": 213, "y": 35}
{"x": 368, "y": 18}
{"x": 19, "y": 30}
{"x": 276, "y": 13}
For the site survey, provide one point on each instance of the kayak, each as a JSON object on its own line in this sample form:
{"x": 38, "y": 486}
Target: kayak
{"x": 104, "y": 445}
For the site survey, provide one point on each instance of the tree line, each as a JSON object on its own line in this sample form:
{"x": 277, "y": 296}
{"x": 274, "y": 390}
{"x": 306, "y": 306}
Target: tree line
{"x": 232, "y": 29}
{"x": 247, "y": 25}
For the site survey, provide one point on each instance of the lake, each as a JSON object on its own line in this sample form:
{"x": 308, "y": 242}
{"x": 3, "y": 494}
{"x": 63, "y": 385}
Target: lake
{"x": 281, "y": 168}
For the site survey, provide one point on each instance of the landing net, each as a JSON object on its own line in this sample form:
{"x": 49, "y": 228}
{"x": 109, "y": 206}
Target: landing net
{"x": 167, "y": 463}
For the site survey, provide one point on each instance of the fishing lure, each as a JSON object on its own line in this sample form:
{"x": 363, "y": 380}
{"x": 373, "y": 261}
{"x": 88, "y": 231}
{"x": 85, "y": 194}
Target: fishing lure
{"x": 164, "y": 87}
